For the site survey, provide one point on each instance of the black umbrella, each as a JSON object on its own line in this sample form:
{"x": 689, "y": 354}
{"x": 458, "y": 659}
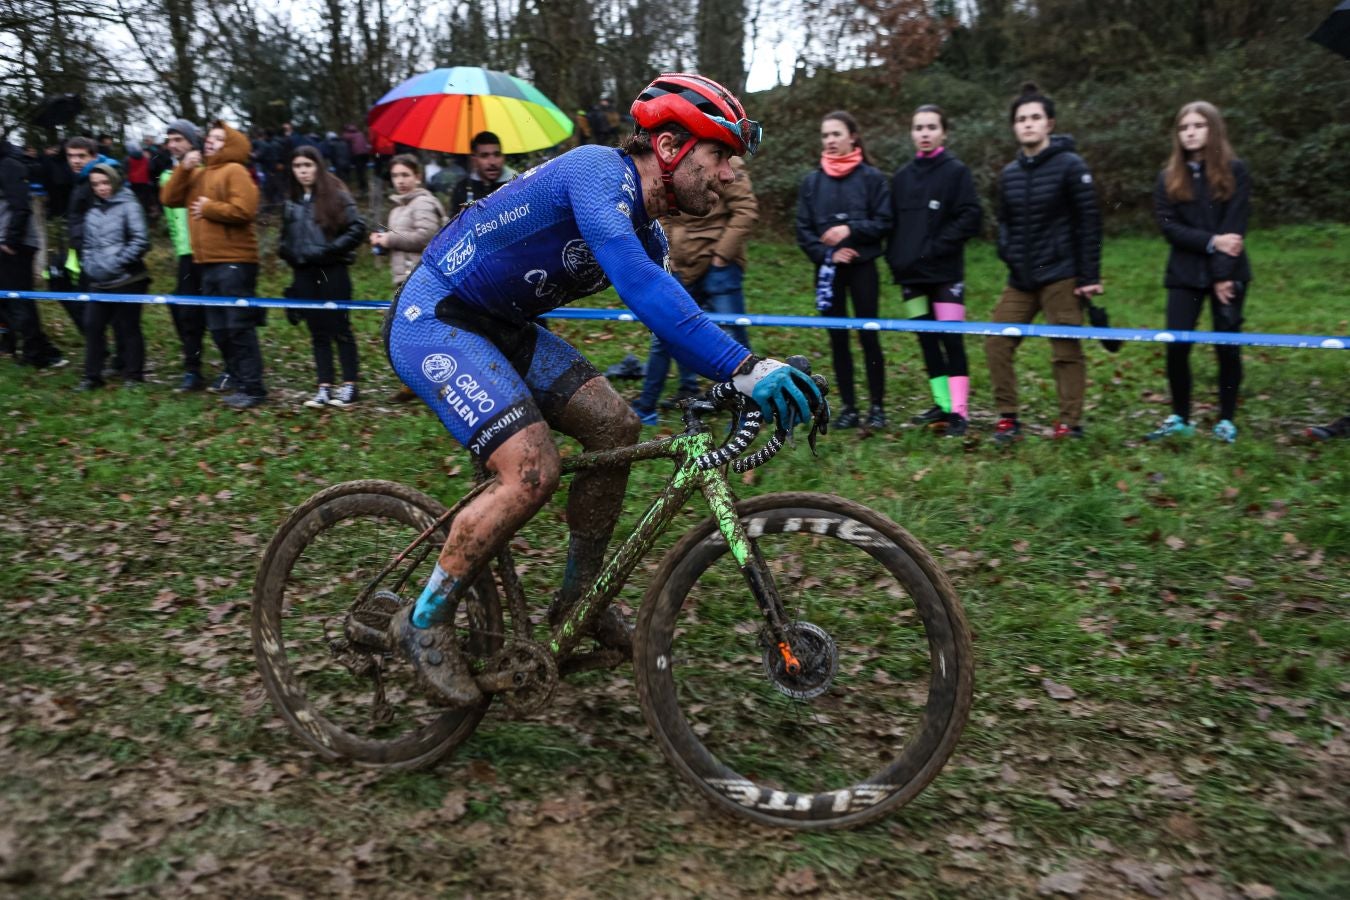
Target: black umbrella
{"x": 57, "y": 109}
{"x": 1334, "y": 33}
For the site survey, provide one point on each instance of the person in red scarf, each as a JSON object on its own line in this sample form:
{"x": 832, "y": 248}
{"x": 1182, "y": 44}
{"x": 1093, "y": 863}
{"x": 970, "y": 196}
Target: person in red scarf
{"x": 843, "y": 216}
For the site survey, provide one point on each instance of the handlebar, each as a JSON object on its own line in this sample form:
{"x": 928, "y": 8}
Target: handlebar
{"x": 725, "y": 397}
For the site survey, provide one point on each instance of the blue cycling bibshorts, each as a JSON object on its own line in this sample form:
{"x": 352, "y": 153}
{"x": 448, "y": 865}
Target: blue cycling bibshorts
{"x": 486, "y": 379}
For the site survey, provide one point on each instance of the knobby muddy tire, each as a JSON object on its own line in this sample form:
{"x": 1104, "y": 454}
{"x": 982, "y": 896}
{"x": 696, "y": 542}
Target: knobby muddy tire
{"x": 379, "y": 502}
{"x": 913, "y": 611}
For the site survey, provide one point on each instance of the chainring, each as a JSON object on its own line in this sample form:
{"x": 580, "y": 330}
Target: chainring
{"x": 819, "y": 658}
{"x": 535, "y": 674}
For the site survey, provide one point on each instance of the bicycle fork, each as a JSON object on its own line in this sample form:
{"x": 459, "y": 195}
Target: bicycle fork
{"x": 753, "y": 568}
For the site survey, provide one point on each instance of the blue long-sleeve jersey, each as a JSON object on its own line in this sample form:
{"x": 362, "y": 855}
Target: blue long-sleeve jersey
{"x": 567, "y": 229}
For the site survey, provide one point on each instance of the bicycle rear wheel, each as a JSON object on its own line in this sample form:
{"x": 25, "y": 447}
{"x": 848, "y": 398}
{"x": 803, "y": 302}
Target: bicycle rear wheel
{"x": 353, "y": 698}
{"x": 886, "y": 677}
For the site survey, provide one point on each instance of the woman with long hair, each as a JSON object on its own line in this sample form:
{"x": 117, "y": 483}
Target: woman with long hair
{"x": 843, "y": 214}
{"x": 320, "y": 231}
{"x": 1202, "y": 201}
{"x": 936, "y": 211}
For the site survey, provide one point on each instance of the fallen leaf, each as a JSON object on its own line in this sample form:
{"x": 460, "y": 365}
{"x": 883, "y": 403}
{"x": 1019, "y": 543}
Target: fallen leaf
{"x": 1070, "y": 883}
{"x": 1175, "y": 542}
{"x": 1311, "y": 835}
{"x": 1142, "y": 877}
{"x": 454, "y": 806}
{"x": 1058, "y": 691}
{"x": 364, "y": 854}
{"x": 1257, "y": 891}
{"x": 1064, "y": 797}
{"x": 802, "y": 881}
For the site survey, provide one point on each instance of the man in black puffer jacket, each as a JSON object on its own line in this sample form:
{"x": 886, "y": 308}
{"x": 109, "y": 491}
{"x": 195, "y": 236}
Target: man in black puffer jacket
{"x": 1050, "y": 237}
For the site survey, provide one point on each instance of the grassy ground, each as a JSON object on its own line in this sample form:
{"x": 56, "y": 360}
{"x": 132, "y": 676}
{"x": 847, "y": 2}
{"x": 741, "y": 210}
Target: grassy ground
{"x": 1161, "y": 632}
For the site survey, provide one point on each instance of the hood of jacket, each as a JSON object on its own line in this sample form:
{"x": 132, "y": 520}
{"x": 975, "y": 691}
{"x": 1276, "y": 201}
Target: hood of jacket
{"x": 1059, "y": 143}
{"x": 99, "y": 160}
{"x": 123, "y": 194}
{"x": 405, "y": 199}
{"x": 236, "y": 150}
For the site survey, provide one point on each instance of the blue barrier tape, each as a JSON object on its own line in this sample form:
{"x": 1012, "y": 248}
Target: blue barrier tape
{"x": 1307, "y": 341}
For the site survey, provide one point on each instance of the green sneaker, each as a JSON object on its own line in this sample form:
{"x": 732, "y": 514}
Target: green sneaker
{"x": 1172, "y": 426}
{"x": 1225, "y": 431}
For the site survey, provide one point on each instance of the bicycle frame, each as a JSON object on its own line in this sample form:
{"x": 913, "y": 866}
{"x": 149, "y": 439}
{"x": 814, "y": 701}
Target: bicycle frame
{"x": 688, "y": 477}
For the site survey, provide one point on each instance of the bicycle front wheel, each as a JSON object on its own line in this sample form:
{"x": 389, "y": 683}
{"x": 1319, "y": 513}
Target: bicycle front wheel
{"x": 339, "y": 688}
{"x": 884, "y": 677}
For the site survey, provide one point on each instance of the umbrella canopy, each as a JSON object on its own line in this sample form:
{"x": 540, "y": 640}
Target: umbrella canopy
{"x": 1334, "y": 33}
{"x": 444, "y": 108}
{"x": 57, "y": 109}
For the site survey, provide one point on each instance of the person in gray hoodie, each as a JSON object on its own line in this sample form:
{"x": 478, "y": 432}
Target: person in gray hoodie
{"x": 113, "y": 245}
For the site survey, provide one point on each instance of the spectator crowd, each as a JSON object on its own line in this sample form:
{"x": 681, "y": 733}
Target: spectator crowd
{"x": 208, "y": 188}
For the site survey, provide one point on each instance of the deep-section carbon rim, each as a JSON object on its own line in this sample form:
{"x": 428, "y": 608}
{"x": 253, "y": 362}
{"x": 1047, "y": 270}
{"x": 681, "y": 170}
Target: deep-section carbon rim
{"x": 324, "y": 558}
{"x": 890, "y": 715}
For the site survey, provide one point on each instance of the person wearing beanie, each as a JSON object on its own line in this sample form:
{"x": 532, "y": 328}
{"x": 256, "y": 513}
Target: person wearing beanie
{"x": 181, "y": 137}
{"x": 114, "y": 243}
{"x": 221, "y": 199}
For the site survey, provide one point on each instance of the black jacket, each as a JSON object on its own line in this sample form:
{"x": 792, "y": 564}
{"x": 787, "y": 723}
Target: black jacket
{"x": 861, "y": 200}
{"x": 1049, "y": 227}
{"x": 1189, "y": 226}
{"x": 17, "y": 226}
{"x": 936, "y": 211}
{"x": 471, "y": 189}
{"x": 303, "y": 242}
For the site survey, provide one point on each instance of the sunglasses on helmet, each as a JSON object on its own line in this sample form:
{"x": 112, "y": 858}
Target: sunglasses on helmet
{"x": 749, "y": 132}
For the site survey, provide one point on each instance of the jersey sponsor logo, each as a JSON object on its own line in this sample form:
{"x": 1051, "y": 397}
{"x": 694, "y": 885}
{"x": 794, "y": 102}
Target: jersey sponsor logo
{"x": 580, "y": 263}
{"x": 958, "y": 289}
{"x": 468, "y": 399}
{"x": 439, "y": 367}
{"x": 543, "y": 288}
{"x": 458, "y": 256}
{"x": 935, "y": 204}
{"x": 629, "y": 186}
{"x": 412, "y": 313}
{"x": 504, "y": 218}
{"x": 487, "y": 437}
{"x": 624, "y": 208}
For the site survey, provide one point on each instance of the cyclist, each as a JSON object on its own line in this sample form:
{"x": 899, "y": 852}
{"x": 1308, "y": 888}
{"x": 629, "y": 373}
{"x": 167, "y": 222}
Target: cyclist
{"x": 463, "y": 334}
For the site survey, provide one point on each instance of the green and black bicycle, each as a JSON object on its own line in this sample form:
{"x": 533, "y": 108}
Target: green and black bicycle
{"x": 801, "y": 659}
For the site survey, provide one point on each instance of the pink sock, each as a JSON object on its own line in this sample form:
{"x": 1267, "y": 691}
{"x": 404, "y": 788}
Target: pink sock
{"x": 949, "y": 312}
{"x": 959, "y": 385}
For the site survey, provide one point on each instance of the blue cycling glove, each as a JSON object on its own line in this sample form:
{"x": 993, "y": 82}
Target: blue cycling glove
{"x": 783, "y": 393}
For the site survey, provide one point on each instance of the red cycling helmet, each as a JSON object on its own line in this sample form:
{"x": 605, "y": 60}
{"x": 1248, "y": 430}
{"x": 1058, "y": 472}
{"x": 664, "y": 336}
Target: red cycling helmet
{"x": 701, "y": 106}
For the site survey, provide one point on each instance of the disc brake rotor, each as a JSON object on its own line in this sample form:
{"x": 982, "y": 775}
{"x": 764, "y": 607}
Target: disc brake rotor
{"x": 817, "y": 659}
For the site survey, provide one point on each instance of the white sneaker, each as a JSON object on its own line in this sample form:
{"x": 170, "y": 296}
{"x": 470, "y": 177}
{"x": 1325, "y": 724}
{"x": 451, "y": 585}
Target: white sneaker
{"x": 320, "y": 399}
{"x": 345, "y": 395}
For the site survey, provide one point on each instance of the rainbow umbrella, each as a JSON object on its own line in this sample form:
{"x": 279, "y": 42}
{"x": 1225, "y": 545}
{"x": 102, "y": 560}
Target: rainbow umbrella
{"x": 444, "y": 108}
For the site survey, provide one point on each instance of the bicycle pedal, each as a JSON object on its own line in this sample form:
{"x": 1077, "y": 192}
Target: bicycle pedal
{"x": 367, "y": 624}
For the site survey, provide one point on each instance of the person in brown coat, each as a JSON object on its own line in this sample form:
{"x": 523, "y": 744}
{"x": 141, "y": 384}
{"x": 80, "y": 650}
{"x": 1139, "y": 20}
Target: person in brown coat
{"x": 707, "y": 254}
{"x": 222, "y": 203}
